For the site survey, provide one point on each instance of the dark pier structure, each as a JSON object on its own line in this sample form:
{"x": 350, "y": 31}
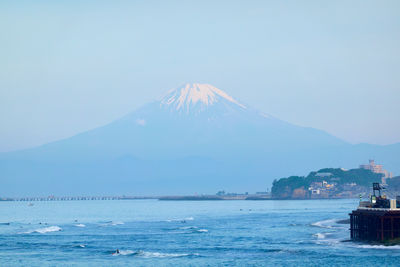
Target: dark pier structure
{"x": 377, "y": 220}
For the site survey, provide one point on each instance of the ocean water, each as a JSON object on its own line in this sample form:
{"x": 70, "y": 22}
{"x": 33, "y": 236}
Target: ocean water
{"x": 184, "y": 233}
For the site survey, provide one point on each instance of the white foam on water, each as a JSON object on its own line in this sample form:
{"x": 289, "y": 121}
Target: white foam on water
{"x": 181, "y": 220}
{"x": 112, "y": 223}
{"x": 327, "y": 238}
{"x": 319, "y": 235}
{"x": 329, "y": 242}
{"x": 202, "y": 230}
{"x": 326, "y": 224}
{"x": 124, "y": 253}
{"x": 146, "y": 254}
{"x": 378, "y": 247}
{"x": 115, "y": 223}
{"x": 45, "y": 230}
{"x": 188, "y": 227}
{"x": 80, "y": 225}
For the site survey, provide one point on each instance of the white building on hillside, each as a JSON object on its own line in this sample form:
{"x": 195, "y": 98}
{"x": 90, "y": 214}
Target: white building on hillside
{"x": 377, "y": 168}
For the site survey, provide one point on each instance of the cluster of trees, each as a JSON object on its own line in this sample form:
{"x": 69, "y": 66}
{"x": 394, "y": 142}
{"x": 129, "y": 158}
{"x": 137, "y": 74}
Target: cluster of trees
{"x": 284, "y": 187}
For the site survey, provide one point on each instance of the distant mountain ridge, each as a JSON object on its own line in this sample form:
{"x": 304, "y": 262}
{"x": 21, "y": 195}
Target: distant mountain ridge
{"x": 197, "y": 138}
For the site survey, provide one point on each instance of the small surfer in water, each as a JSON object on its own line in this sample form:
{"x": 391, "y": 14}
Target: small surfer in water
{"x": 117, "y": 252}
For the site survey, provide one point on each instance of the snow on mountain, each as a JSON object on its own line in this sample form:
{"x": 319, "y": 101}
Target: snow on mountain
{"x": 193, "y": 95}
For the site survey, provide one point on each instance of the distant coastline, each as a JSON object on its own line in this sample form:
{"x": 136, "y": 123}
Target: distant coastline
{"x": 335, "y": 183}
{"x": 328, "y": 183}
{"x": 253, "y": 197}
{"x": 162, "y": 198}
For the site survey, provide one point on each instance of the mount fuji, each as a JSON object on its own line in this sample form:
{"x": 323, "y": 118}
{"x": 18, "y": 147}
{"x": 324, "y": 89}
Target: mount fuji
{"x": 196, "y": 138}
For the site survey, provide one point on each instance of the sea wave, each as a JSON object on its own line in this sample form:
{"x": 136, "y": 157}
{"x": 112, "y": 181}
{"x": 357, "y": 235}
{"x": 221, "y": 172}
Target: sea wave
{"x": 44, "y": 230}
{"x": 194, "y": 229}
{"x": 331, "y": 223}
{"x": 378, "y": 247}
{"x": 124, "y": 253}
{"x": 112, "y": 223}
{"x": 148, "y": 254}
{"x": 80, "y": 225}
{"x": 320, "y": 235}
{"x": 181, "y": 220}
{"x": 188, "y": 227}
{"x": 116, "y": 223}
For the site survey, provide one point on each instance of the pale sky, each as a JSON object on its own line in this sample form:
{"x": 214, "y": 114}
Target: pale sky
{"x": 70, "y": 66}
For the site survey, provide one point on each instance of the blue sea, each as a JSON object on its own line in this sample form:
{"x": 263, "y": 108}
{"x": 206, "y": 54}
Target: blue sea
{"x": 184, "y": 233}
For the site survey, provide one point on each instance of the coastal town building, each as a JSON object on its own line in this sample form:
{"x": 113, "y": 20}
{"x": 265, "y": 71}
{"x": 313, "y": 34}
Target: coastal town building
{"x": 377, "y": 168}
{"x": 322, "y": 189}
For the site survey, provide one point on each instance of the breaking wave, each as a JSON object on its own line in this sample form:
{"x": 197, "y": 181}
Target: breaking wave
{"x": 124, "y": 253}
{"x": 45, "y": 230}
{"x": 80, "y": 225}
{"x": 188, "y": 228}
{"x": 193, "y": 229}
{"x": 112, "y": 223}
{"x": 181, "y": 220}
{"x": 147, "y": 254}
{"x": 329, "y": 224}
{"x": 378, "y": 247}
{"x": 116, "y": 223}
{"x": 320, "y": 235}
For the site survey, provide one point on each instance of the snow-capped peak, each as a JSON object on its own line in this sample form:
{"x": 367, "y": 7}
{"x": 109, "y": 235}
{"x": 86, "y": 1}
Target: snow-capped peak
{"x": 191, "y": 94}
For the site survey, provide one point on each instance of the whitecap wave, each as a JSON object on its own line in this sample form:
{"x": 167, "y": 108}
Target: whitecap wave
{"x": 181, "y": 220}
{"x": 124, "y": 253}
{"x": 45, "y": 230}
{"x": 188, "y": 228}
{"x": 378, "y": 247}
{"x": 326, "y": 224}
{"x": 319, "y": 235}
{"x": 80, "y": 225}
{"x": 146, "y": 254}
{"x": 117, "y": 223}
{"x": 112, "y": 223}
{"x": 327, "y": 238}
{"x": 202, "y": 231}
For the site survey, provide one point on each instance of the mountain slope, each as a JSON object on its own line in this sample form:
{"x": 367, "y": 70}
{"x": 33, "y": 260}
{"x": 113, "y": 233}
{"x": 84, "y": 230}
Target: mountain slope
{"x": 196, "y": 138}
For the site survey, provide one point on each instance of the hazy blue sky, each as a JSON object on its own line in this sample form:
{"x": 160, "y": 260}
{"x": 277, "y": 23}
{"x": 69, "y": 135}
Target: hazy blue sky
{"x": 70, "y": 66}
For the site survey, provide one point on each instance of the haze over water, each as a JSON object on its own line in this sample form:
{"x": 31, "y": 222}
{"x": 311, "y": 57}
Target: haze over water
{"x": 184, "y": 233}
